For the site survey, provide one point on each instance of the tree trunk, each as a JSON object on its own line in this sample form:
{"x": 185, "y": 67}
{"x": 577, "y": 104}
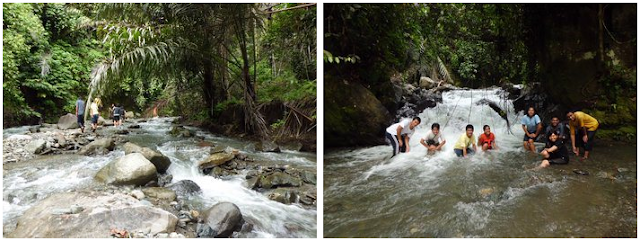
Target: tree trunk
{"x": 601, "y": 32}
{"x": 208, "y": 87}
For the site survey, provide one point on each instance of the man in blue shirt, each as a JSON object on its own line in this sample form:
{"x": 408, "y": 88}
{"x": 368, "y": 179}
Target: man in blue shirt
{"x": 80, "y": 113}
{"x": 532, "y": 126}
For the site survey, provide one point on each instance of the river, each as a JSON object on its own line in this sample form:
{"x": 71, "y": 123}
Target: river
{"x": 495, "y": 194}
{"x": 24, "y": 183}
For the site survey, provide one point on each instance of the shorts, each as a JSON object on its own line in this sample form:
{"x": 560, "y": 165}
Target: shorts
{"x": 488, "y": 143}
{"x": 432, "y": 143}
{"x": 94, "y": 119}
{"x": 589, "y": 145}
{"x": 116, "y": 118}
{"x": 558, "y": 160}
{"x": 393, "y": 141}
{"x": 81, "y": 120}
{"x": 527, "y": 138}
{"x": 459, "y": 152}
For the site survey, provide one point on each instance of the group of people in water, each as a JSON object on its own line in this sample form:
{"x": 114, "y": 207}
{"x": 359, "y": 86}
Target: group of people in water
{"x": 117, "y": 112}
{"x": 582, "y": 130}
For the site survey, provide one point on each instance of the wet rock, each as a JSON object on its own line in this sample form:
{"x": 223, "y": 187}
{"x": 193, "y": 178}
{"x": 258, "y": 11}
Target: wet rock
{"x": 605, "y": 175}
{"x": 68, "y": 121}
{"x": 186, "y": 133}
{"x": 122, "y": 131}
{"x": 35, "y": 146}
{"x": 279, "y": 179}
{"x": 160, "y": 193}
{"x": 34, "y": 129}
{"x": 134, "y": 126}
{"x": 101, "y": 121}
{"x": 622, "y": 169}
{"x": 162, "y": 235}
{"x": 218, "y": 172}
{"x": 164, "y": 179}
{"x": 107, "y": 123}
{"x": 216, "y": 160}
{"x": 217, "y": 149}
{"x": 159, "y": 160}
{"x": 137, "y": 194}
{"x": 131, "y": 169}
{"x": 284, "y": 196}
{"x": 221, "y": 220}
{"x": 98, "y": 146}
{"x": 267, "y": 146}
{"x": 308, "y": 177}
{"x": 19, "y": 137}
{"x": 185, "y": 187}
{"x": 126, "y": 211}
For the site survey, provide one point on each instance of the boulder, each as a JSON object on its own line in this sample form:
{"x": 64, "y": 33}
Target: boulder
{"x": 267, "y": 146}
{"x": 129, "y": 114}
{"x": 102, "y": 121}
{"x": 36, "y": 146}
{"x": 353, "y": 111}
{"x": 185, "y": 187}
{"x": 97, "y": 215}
{"x": 68, "y": 121}
{"x": 122, "y": 131}
{"x": 308, "y": 177}
{"x": 160, "y": 193}
{"x": 427, "y": 83}
{"x": 279, "y": 179}
{"x": 108, "y": 123}
{"x": 131, "y": 169}
{"x": 98, "y": 146}
{"x": 220, "y": 221}
{"x": 284, "y": 196}
{"x": 216, "y": 160}
{"x": 161, "y": 162}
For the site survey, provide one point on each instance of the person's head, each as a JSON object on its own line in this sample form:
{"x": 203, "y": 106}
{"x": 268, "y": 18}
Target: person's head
{"x": 531, "y": 111}
{"x": 97, "y": 101}
{"x": 469, "y": 129}
{"x": 555, "y": 121}
{"x": 553, "y": 136}
{"x": 435, "y": 128}
{"x": 113, "y": 105}
{"x": 487, "y": 129}
{"x": 415, "y": 122}
{"x": 571, "y": 114}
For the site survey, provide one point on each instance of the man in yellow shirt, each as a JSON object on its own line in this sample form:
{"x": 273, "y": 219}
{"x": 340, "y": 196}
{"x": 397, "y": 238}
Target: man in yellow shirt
{"x": 585, "y": 126}
{"x": 461, "y": 148}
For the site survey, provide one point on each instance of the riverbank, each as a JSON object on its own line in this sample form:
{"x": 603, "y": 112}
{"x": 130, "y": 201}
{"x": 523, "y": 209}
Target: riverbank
{"x": 267, "y": 188}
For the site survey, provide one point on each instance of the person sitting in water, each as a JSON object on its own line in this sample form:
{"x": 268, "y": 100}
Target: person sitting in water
{"x": 532, "y": 126}
{"x": 585, "y": 127}
{"x": 555, "y": 152}
{"x": 461, "y": 148}
{"x": 398, "y": 134}
{"x": 433, "y": 141}
{"x": 555, "y": 126}
{"x": 487, "y": 139}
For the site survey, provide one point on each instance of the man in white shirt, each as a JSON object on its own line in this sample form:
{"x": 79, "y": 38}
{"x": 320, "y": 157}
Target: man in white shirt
{"x": 399, "y": 133}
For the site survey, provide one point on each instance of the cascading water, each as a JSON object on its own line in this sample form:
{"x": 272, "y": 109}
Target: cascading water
{"x": 24, "y": 183}
{"x": 494, "y": 194}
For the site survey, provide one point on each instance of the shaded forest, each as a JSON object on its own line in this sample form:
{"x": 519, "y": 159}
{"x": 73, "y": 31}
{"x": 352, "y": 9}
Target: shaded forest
{"x": 581, "y": 55}
{"x": 234, "y": 68}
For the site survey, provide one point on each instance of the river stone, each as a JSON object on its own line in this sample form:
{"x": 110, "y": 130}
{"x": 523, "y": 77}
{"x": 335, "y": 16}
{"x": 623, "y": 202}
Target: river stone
{"x": 108, "y": 123}
{"x": 215, "y": 160}
{"x": 267, "y": 146}
{"x": 34, "y": 129}
{"x": 122, "y": 131}
{"x": 137, "y": 194}
{"x": 308, "y": 177}
{"x": 101, "y": 213}
{"x": 220, "y": 221}
{"x": 131, "y": 169}
{"x": 19, "y": 137}
{"x": 161, "y": 162}
{"x": 160, "y": 193}
{"x": 134, "y": 126}
{"x": 36, "y": 146}
{"x": 101, "y": 121}
{"x": 129, "y": 114}
{"x": 68, "y": 121}
{"x": 95, "y": 146}
{"x": 185, "y": 187}
{"x": 284, "y": 196}
{"x": 279, "y": 179}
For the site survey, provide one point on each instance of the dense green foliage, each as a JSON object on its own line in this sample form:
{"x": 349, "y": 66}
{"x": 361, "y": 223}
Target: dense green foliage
{"x": 181, "y": 59}
{"x": 47, "y": 59}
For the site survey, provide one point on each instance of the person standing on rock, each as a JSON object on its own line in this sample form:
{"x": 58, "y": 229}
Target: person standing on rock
{"x": 487, "y": 139}
{"x": 94, "y": 113}
{"x": 462, "y": 146}
{"x": 116, "y": 115}
{"x": 398, "y": 134}
{"x": 80, "y": 113}
{"x": 122, "y": 114}
{"x": 532, "y": 126}
{"x": 433, "y": 141}
{"x": 585, "y": 127}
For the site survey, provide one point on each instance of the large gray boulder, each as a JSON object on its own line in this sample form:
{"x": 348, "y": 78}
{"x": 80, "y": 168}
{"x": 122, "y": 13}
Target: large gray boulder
{"x": 98, "y": 146}
{"x": 161, "y": 162}
{"x": 278, "y": 179}
{"x": 185, "y": 187}
{"x": 68, "y": 121}
{"x": 220, "y": 221}
{"x": 90, "y": 215}
{"x": 101, "y": 121}
{"x": 161, "y": 193}
{"x": 36, "y": 146}
{"x": 267, "y": 146}
{"x": 131, "y": 169}
{"x": 216, "y": 160}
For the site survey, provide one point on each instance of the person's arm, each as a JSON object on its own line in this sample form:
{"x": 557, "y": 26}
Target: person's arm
{"x": 464, "y": 151}
{"x": 76, "y": 108}
{"x": 423, "y": 143}
{"x": 524, "y": 128}
{"x": 552, "y": 148}
{"x": 406, "y": 142}
{"x": 573, "y": 139}
{"x": 538, "y": 129}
